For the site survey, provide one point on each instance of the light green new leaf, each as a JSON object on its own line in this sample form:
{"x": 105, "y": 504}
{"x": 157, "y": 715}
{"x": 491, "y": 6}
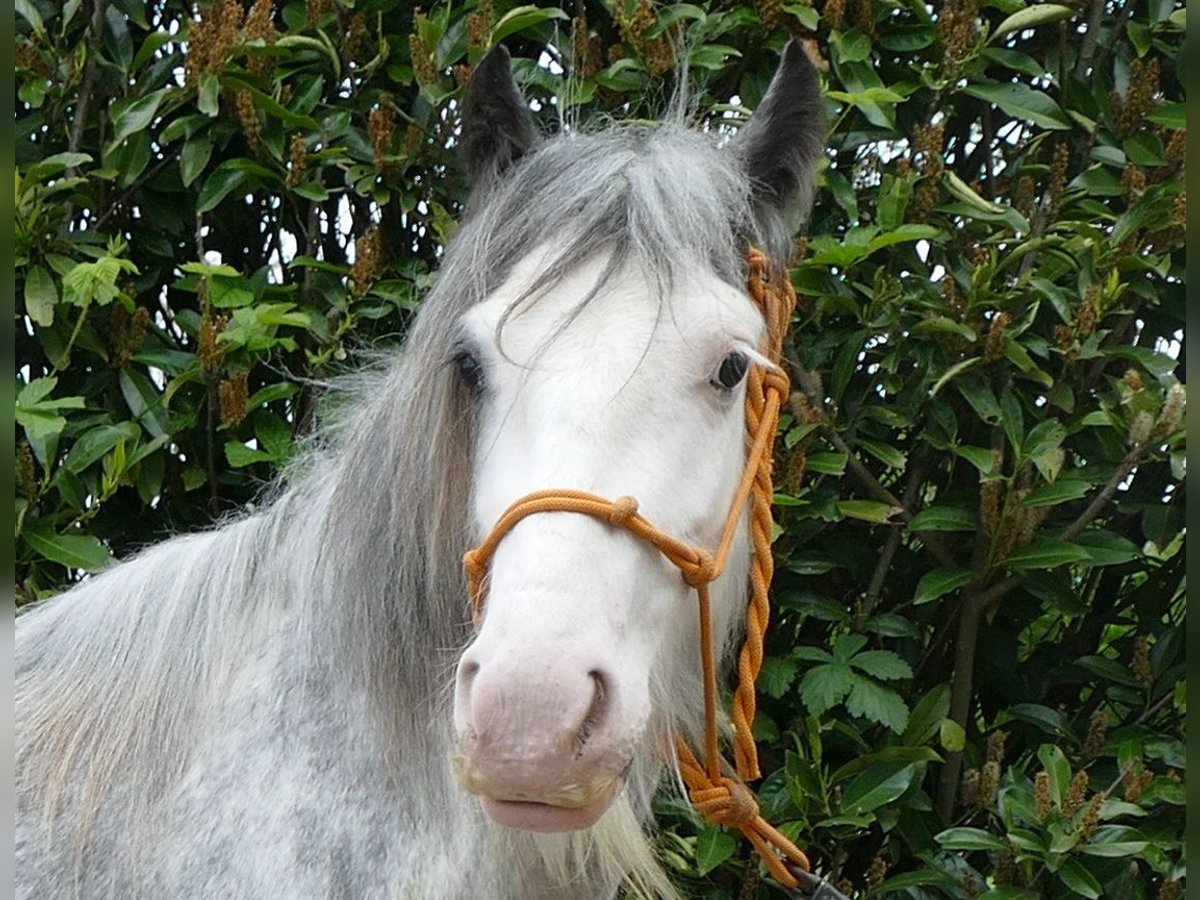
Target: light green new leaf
{"x": 41, "y": 296}
{"x": 1032, "y": 17}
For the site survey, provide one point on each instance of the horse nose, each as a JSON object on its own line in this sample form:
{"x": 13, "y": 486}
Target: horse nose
{"x": 532, "y": 709}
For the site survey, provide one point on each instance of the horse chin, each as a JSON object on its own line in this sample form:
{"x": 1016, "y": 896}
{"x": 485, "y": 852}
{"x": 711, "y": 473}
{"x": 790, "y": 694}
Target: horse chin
{"x": 547, "y": 817}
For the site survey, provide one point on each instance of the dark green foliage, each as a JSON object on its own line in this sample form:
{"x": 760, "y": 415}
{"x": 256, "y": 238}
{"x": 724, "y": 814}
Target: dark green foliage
{"x": 974, "y": 684}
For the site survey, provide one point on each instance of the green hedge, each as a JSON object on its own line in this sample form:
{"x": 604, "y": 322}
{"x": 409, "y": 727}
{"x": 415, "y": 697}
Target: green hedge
{"x": 974, "y": 684}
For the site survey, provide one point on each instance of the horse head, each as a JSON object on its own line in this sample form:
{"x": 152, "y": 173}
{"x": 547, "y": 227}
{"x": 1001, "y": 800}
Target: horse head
{"x": 595, "y": 364}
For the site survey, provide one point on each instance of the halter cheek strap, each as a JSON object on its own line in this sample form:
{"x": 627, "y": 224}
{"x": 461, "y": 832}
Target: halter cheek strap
{"x": 723, "y": 799}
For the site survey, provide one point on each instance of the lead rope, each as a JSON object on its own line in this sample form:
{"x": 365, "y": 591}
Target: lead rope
{"x": 722, "y": 799}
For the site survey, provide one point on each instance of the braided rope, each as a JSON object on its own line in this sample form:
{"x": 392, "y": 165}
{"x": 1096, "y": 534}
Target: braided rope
{"x": 721, "y": 798}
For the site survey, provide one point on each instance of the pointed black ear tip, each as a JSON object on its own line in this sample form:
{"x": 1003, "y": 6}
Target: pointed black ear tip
{"x": 796, "y": 63}
{"x": 498, "y": 56}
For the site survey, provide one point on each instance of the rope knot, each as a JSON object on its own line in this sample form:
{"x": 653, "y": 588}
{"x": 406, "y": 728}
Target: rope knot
{"x": 476, "y": 567}
{"x": 702, "y": 571}
{"x": 775, "y": 380}
{"x": 728, "y": 803}
{"x": 623, "y": 509}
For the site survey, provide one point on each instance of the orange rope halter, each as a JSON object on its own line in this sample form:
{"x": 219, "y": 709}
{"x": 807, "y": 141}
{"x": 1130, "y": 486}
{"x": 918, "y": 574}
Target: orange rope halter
{"x": 721, "y": 798}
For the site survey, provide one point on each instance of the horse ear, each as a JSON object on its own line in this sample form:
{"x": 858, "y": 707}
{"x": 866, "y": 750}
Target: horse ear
{"x": 783, "y": 141}
{"x": 497, "y": 128}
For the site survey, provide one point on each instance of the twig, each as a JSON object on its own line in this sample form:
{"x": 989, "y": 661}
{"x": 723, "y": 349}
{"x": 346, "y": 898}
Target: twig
{"x": 1088, "y": 49}
{"x": 135, "y": 187}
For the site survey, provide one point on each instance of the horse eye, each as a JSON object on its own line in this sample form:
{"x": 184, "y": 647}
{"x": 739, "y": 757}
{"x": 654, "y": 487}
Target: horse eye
{"x": 732, "y": 371}
{"x": 469, "y": 370}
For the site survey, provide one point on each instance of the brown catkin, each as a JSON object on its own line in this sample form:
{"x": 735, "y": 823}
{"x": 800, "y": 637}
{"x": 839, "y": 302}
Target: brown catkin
{"x": 1042, "y": 802}
{"x": 1130, "y": 110}
{"x": 298, "y": 161}
{"x": 1088, "y": 313}
{"x": 1133, "y": 182}
{"x": 1076, "y": 793}
{"x": 260, "y": 25}
{"x": 1006, "y": 869}
{"x": 422, "y": 55}
{"x": 233, "y": 394}
{"x": 876, "y": 872}
{"x": 1172, "y": 411}
{"x": 27, "y": 471}
{"x": 479, "y": 24}
{"x": 368, "y": 261}
{"x": 956, "y": 29}
{"x": 1169, "y": 890}
{"x": 989, "y": 782}
{"x": 1097, "y": 735}
{"x": 994, "y": 349}
{"x": 357, "y": 43}
{"x": 381, "y": 126}
{"x": 1091, "y": 817}
{"x": 833, "y": 13}
{"x": 315, "y": 11}
{"x": 1140, "y": 665}
{"x": 995, "y": 746}
{"x": 211, "y": 351}
{"x": 990, "y": 496}
{"x": 247, "y": 115}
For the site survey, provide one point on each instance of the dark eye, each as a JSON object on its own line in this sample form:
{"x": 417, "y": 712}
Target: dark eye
{"x": 469, "y": 369}
{"x": 732, "y": 371}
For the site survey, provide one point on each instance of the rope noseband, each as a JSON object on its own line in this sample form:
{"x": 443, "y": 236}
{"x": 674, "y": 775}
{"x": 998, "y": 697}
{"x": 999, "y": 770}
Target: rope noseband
{"x": 722, "y": 799}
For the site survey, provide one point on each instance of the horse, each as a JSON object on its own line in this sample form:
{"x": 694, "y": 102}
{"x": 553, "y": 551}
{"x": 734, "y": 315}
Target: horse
{"x": 270, "y": 708}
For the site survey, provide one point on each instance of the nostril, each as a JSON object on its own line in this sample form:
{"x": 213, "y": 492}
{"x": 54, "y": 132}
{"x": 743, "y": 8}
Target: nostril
{"x": 467, "y": 671}
{"x": 596, "y": 712}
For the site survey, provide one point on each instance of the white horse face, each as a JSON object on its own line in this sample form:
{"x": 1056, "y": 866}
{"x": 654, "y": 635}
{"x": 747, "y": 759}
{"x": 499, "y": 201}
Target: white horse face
{"x": 632, "y": 395}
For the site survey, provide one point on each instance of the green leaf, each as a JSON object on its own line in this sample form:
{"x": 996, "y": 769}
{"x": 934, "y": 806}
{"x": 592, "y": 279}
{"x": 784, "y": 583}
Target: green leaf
{"x": 1115, "y": 841}
{"x": 873, "y": 701}
{"x": 1032, "y": 17}
{"x": 952, "y": 736}
{"x": 823, "y": 686}
{"x": 135, "y": 117}
{"x": 1045, "y": 435}
{"x": 193, "y": 158}
{"x": 96, "y": 442}
{"x": 1104, "y": 548}
{"x": 943, "y": 518}
{"x": 827, "y": 463}
{"x": 219, "y": 185}
{"x": 1022, "y": 102}
{"x": 885, "y": 453}
{"x": 953, "y": 372}
{"x": 963, "y": 838}
{"x": 1054, "y": 761}
{"x": 239, "y": 455}
{"x": 880, "y": 784}
{"x": 75, "y": 551}
{"x": 713, "y": 847}
{"x": 27, "y": 11}
{"x": 208, "y": 100}
{"x": 523, "y": 17}
{"x": 927, "y": 715}
{"x": 868, "y": 510}
{"x": 939, "y": 582}
{"x": 980, "y": 457}
{"x": 882, "y": 664}
{"x": 310, "y": 190}
{"x": 145, "y": 402}
{"x": 1062, "y": 491}
{"x": 41, "y": 296}
{"x": 1079, "y": 880}
{"x": 1046, "y": 552}
{"x": 777, "y": 675}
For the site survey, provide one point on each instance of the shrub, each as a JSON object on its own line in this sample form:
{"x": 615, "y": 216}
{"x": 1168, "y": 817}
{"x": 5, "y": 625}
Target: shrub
{"x": 974, "y": 684}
